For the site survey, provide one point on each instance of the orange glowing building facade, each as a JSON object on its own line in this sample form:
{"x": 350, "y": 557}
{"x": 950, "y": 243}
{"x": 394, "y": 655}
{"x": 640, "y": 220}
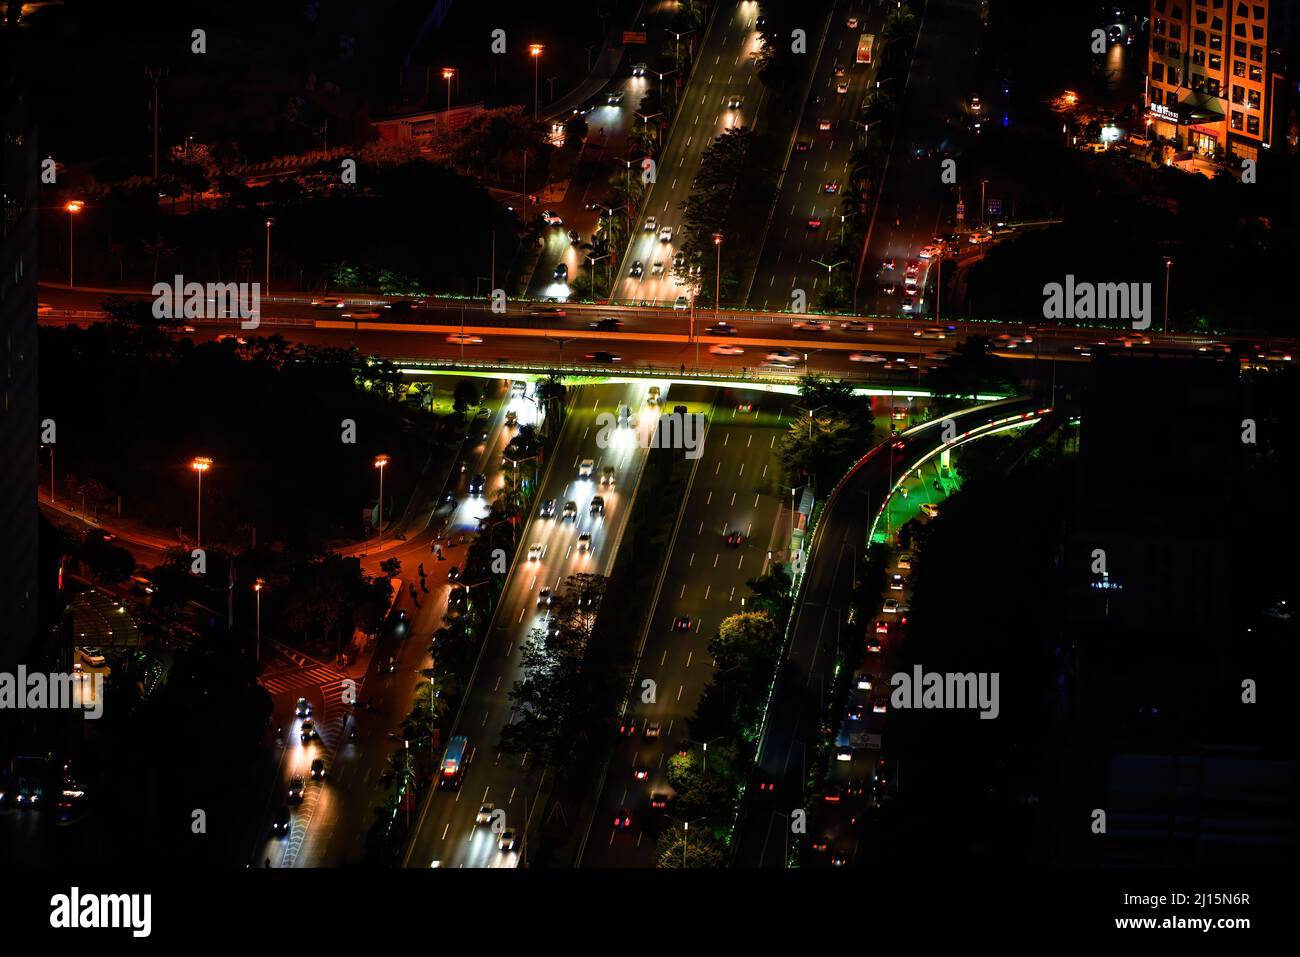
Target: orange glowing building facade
{"x": 1214, "y": 78}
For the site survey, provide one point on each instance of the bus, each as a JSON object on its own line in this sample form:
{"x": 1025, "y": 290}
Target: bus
{"x": 865, "y": 43}
{"x": 454, "y": 761}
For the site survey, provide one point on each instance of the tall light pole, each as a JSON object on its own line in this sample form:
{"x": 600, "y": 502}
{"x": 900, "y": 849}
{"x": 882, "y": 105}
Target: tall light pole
{"x": 983, "y": 208}
{"x": 258, "y": 585}
{"x": 717, "y": 273}
{"x": 73, "y": 207}
{"x": 447, "y": 74}
{"x": 381, "y": 462}
{"x": 1168, "y": 265}
{"x": 266, "y": 286}
{"x": 535, "y": 51}
{"x": 200, "y": 464}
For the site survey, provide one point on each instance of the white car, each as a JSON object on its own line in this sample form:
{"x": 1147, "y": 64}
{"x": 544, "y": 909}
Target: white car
{"x": 484, "y": 815}
{"x": 651, "y": 224}
{"x": 536, "y": 551}
{"x": 91, "y": 656}
{"x": 866, "y": 357}
{"x": 725, "y": 349}
{"x": 666, "y": 234}
{"x": 931, "y": 251}
{"x": 931, "y": 332}
{"x": 811, "y": 325}
{"x": 585, "y": 468}
{"x": 782, "y": 356}
{"x": 979, "y": 239}
{"x": 584, "y": 542}
{"x": 508, "y": 840}
{"x": 890, "y": 607}
{"x": 681, "y": 303}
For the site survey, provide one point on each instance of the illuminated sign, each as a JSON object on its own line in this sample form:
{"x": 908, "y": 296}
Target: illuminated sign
{"x": 1163, "y": 112}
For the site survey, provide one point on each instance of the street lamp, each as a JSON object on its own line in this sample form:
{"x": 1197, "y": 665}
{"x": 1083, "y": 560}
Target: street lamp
{"x": 447, "y": 74}
{"x": 717, "y": 273}
{"x": 266, "y": 287}
{"x": 1168, "y": 265}
{"x": 535, "y": 51}
{"x": 200, "y": 464}
{"x": 381, "y": 462}
{"x": 258, "y": 585}
{"x": 73, "y": 207}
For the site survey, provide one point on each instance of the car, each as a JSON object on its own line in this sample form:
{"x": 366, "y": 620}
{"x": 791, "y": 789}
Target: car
{"x": 833, "y": 795}
{"x": 1214, "y": 347}
{"x": 839, "y": 860}
{"x": 873, "y": 644}
{"x": 887, "y": 264}
{"x": 561, "y": 272}
{"x": 607, "y": 476}
{"x": 896, "y": 582}
{"x": 864, "y": 680}
{"x": 584, "y": 542}
{"x": 856, "y": 712}
{"x": 811, "y": 325}
{"x": 929, "y": 509}
{"x": 851, "y": 23}
{"x": 453, "y": 573}
{"x": 842, "y": 87}
{"x": 623, "y": 819}
{"x": 547, "y": 508}
{"x": 782, "y": 356}
{"x": 882, "y": 627}
{"x": 657, "y": 269}
{"x": 802, "y": 146}
{"x": 823, "y": 125}
{"x": 91, "y": 656}
{"x": 508, "y": 840}
{"x": 912, "y": 268}
{"x": 327, "y": 302}
{"x": 744, "y": 408}
{"x": 830, "y": 188}
{"x": 303, "y": 708}
{"x": 640, "y": 773}
{"x": 551, "y": 219}
{"x": 602, "y": 356}
{"x": 905, "y": 561}
{"x": 403, "y": 305}
{"x": 606, "y": 324}
{"x": 666, "y": 234}
{"x": 652, "y": 729}
{"x": 721, "y": 349}
{"x": 574, "y": 236}
{"x": 721, "y": 329}
{"x": 1131, "y": 339}
{"x": 544, "y": 598}
{"x": 735, "y": 101}
{"x": 297, "y": 786}
{"x": 570, "y": 510}
{"x": 931, "y": 332}
{"x": 979, "y": 239}
{"x": 890, "y": 607}
{"x": 760, "y": 23}
{"x": 889, "y": 288}
{"x": 318, "y": 769}
{"x": 930, "y": 251}
{"x": 477, "y": 483}
{"x": 909, "y": 303}
{"x": 734, "y": 539}
{"x": 637, "y": 269}
{"x": 855, "y": 325}
{"x": 1003, "y": 342}
{"x": 681, "y": 303}
{"x": 658, "y": 800}
{"x": 821, "y": 845}
{"x": 460, "y": 339}
{"x": 866, "y": 357}
{"x": 512, "y": 419}
{"x": 241, "y": 341}
{"x": 638, "y": 69}
{"x": 627, "y": 726}
{"x": 485, "y": 813}
{"x": 308, "y": 731}
{"x": 651, "y": 224}
{"x": 597, "y": 506}
{"x": 585, "y": 468}
{"x": 814, "y": 224}
{"x": 281, "y": 823}
{"x": 681, "y": 623}
{"x": 838, "y": 69}
{"x": 536, "y": 551}
{"x": 614, "y": 98}
{"x": 546, "y": 312}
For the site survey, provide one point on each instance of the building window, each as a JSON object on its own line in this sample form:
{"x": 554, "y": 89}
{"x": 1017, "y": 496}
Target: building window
{"x": 1158, "y": 46}
{"x": 1198, "y": 57}
{"x": 1242, "y": 14}
{"x": 1212, "y": 86}
{"x": 1252, "y": 97}
{"x": 1256, "y": 32}
{"x": 1236, "y": 120}
{"x": 1216, "y": 42}
{"x": 1252, "y": 125}
{"x": 1160, "y": 6}
{"x": 1239, "y": 29}
{"x": 1175, "y": 50}
{"x": 1257, "y": 54}
{"x": 1175, "y": 76}
{"x": 1259, "y": 13}
{"x": 1238, "y": 94}
{"x": 1216, "y": 24}
{"x": 1175, "y": 31}
{"x": 1158, "y": 71}
{"x": 1238, "y": 68}
{"x": 1198, "y": 83}
{"x": 1216, "y": 63}
{"x": 1198, "y": 37}
{"x": 1160, "y": 26}
{"x": 1256, "y": 74}
{"x": 1239, "y": 49}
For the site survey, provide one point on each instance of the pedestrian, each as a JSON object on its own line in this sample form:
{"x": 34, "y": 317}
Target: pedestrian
{"x": 268, "y": 863}
{"x": 683, "y": 368}
{"x": 423, "y": 586}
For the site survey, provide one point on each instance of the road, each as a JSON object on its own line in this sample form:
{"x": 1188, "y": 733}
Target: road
{"x": 793, "y": 715}
{"x": 723, "y": 69}
{"x": 446, "y": 831}
{"x": 735, "y": 487}
{"x": 818, "y": 170}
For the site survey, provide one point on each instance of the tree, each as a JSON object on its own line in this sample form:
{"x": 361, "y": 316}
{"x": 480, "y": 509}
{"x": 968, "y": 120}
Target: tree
{"x": 680, "y": 847}
{"x": 391, "y": 567}
{"x": 111, "y": 564}
{"x": 465, "y": 394}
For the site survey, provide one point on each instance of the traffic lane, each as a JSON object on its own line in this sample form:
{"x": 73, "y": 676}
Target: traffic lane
{"x": 704, "y": 582}
{"x": 502, "y": 778}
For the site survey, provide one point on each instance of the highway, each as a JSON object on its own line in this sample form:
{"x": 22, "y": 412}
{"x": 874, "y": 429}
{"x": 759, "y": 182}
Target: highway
{"x": 792, "y": 725}
{"x": 735, "y": 487}
{"x": 817, "y": 172}
{"x": 723, "y": 69}
{"x": 446, "y": 831}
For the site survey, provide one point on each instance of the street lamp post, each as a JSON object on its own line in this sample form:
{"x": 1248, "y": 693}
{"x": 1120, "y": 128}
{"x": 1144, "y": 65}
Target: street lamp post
{"x": 266, "y": 286}
{"x": 200, "y": 464}
{"x": 381, "y": 462}
{"x": 73, "y": 207}
{"x": 447, "y": 74}
{"x": 535, "y": 51}
{"x": 1168, "y": 265}
{"x": 717, "y": 273}
{"x": 258, "y": 585}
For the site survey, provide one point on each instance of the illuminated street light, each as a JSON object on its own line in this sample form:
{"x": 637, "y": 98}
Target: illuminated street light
{"x": 73, "y": 207}
{"x": 535, "y": 51}
{"x": 258, "y": 585}
{"x": 381, "y": 461}
{"x": 266, "y": 286}
{"x": 200, "y": 464}
{"x": 447, "y": 74}
{"x": 717, "y": 274}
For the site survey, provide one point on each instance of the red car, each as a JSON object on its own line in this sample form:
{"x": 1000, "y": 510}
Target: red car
{"x": 887, "y": 264}
{"x": 913, "y": 267}
{"x": 623, "y": 819}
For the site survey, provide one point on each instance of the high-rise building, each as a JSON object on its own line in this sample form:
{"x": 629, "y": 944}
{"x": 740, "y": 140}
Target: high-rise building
{"x": 1215, "y": 75}
{"x": 19, "y": 428}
